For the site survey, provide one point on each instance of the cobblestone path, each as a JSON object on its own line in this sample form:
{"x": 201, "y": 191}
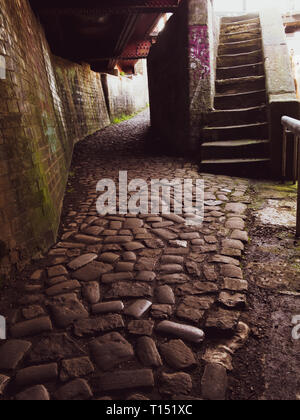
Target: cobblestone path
{"x": 118, "y": 307}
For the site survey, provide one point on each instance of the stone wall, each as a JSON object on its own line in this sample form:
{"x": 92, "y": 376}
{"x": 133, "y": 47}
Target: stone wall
{"x": 46, "y": 105}
{"x": 126, "y": 95}
{"x": 181, "y": 70}
{"x": 281, "y": 92}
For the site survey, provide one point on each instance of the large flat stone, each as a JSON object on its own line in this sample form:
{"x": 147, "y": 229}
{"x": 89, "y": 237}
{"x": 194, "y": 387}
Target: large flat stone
{"x": 129, "y": 290}
{"x": 36, "y": 393}
{"x": 81, "y": 261}
{"x": 178, "y": 355}
{"x": 148, "y": 353}
{"x": 31, "y": 328}
{"x": 111, "y": 350}
{"x": 92, "y": 271}
{"x": 124, "y": 380}
{"x": 77, "y": 390}
{"x": 12, "y": 353}
{"x": 67, "y": 309}
{"x": 90, "y": 327}
{"x": 76, "y": 368}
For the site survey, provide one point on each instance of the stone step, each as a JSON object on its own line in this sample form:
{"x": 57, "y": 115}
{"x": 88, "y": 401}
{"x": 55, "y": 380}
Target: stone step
{"x": 238, "y": 23}
{"x": 237, "y": 116}
{"x": 230, "y": 60}
{"x": 239, "y": 27}
{"x": 242, "y": 18}
{"x": 236, "y": 132}
{"x": 240, "y": 36}
{"x": 236, "y": 149}
{"x": 240, "y": 84}
{"x": 240, "y": 100}
{"x": 255, "y": 168}
{"x": 240, "y": 71}
{"x": 240, "y": 46}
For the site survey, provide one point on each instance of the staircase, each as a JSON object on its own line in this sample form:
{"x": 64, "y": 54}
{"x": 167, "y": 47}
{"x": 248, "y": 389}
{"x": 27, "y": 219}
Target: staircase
{"x": 236, "y": 136}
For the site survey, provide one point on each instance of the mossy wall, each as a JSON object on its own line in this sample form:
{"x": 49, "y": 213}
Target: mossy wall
{"x": 46, "y": 105}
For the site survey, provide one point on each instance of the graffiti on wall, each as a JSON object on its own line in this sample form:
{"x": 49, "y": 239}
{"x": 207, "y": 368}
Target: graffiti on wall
{"x": 199, "y": 51}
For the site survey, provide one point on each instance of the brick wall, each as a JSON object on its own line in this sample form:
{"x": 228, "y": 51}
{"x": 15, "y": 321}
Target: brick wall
{"x": 46, "y": 105}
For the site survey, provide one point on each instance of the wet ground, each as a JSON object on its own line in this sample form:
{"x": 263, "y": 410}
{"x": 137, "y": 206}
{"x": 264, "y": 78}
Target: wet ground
{"x": 175, "y": 273}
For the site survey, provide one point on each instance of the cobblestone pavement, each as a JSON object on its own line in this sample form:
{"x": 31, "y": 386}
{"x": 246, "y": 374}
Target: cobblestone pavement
{"x": 118, "y": 307}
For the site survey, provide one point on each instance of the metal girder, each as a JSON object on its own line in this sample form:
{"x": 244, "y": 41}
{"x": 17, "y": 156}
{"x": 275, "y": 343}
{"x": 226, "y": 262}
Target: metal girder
{"x": 136, "y": 50}
{"x": 92, "y": 7}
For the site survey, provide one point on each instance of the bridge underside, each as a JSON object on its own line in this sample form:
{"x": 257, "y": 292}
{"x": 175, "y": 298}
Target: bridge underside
{"x": 102, "y": 34}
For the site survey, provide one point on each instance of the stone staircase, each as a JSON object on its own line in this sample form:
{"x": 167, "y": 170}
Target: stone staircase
{"x": 236, "y": 135}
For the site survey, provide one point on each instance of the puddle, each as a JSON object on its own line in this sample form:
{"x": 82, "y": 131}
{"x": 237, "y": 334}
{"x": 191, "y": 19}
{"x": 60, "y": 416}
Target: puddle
{"x": 278, "y": 213}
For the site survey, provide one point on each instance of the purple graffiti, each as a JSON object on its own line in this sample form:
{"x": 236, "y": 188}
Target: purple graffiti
{"x": 199, "y": 51}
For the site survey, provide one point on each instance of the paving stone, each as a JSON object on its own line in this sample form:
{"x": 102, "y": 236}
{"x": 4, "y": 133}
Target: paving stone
{"x": 116, "y": 225}
{"x": 174, "y": 279}
{"x": 123, "y": 267}
{"x": 231, "y": 271}
{"x": 176, "y": 251}
{"x": 54, "y": 348}
{"x": 170, "y": 384}
{"x": 36, "y": 393}
{"x": 221, "y": 259}
{"x": 90, "y": 327}
{"x": 4, "y": 381}
{"x": 116, "y": 277}
{"x": 235, "y": 223}
{"x": 12, "y": 352}
{"x": 210, "y": 273}
{"x": 62, "y": 288}
{"x": 174, "y": 218}
{"x": 238, "y": 208}
{"x": 230, "y": 300}
{"x": 66, "y": 309}
{"x": 230, "y": 252}
{"x": 70, "y": 245}
{"x": 165, "y": 234}
{"x": 134, "y": 246}
{"x": 88, "y": 240}
{"x": 235, "y": 285}
{"x": 189, "y": 236}
{"x": 138, "y": 397}
{"x": 111, "y": 248}
{"x": 146, "y": 264}
{"x": 36, "y": 375}
{"x": 109, "y": 257}
{"x": 154, "y": 243}
{"x": 57, "y": 271}
{"x": 148, "y": 353}
{"x": 93, "y": 230}
{"x": 196, "y": 288}
{"x": 223, "y": 320}
{"x": 110, "y": 351}
{"x": 161, "y": 311}
{"x": 37, "y": 275}
{"x": 165, "y": 295}
{"x": 172, "y": 259}
{"x": 138, "y": 308}
{"x": 108, "y": 307}
{"x": 33, "y": 312}
{"x": 129, "y": 256}
{"x": 193, "y": 268}
{"x": 162, "y": 225}
{"x": 133, "y": 223}
{"x": 193, "y": 308}
{"x": 171, "y": 269}
{"x": 129, "y": 290}
{"x": 214, "y": 383}
{"x": 92, "y": 271}
{"x": 118, "y": 240}
{"x": 91, "y": 292}
{"x": 132, "y": 379}
{"x": 146, "y": 276}
{"x": 185, "y": 332}
{"x": 82, "y": 261}
{"x": 77, "y": 390}
{"x": 31, "y": 328}
{"x": 240, "y": 235}
{"x": 232, "y": 243}
{"x": 178, "y": 355}
{"x": 141, "y": 327}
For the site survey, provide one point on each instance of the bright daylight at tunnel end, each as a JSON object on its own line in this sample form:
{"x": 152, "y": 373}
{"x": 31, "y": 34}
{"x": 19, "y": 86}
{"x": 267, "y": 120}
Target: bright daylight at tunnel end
{"x": 149, "y": 203}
